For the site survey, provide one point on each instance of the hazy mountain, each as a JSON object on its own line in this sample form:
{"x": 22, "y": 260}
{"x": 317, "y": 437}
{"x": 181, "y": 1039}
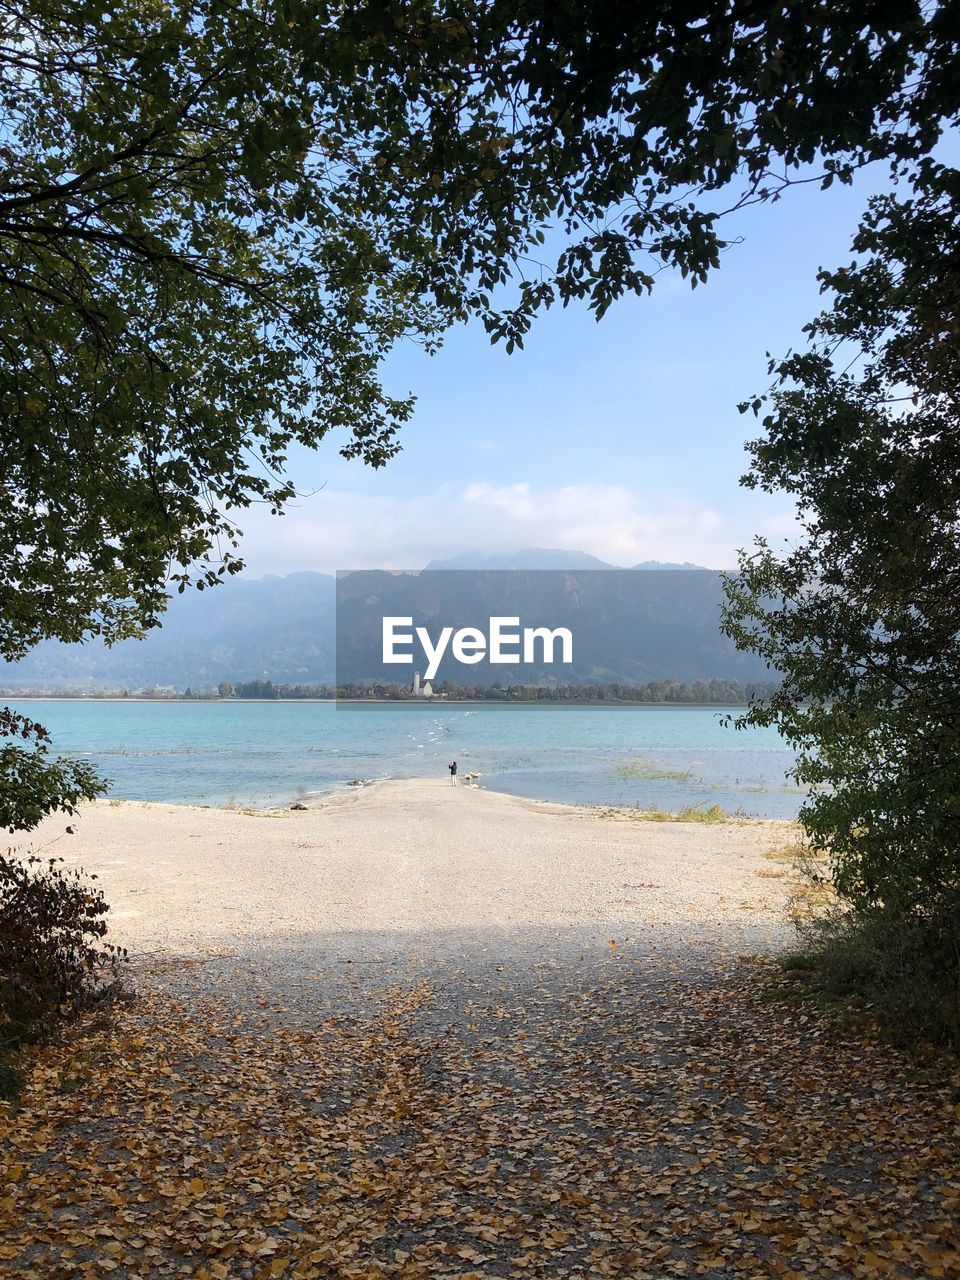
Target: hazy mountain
{"x": 529, "y": 558}
{"x": 246, "y": 629}
{"x": 630, "y": 626}
{"x": 641, "y": 626}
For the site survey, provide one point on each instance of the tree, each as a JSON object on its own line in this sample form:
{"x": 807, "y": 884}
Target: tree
{"x": 189, "y": 287}
{"x": 863, "y": 616}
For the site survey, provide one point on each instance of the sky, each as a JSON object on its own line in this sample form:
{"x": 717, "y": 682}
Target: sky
{"x": 620, "y": 438}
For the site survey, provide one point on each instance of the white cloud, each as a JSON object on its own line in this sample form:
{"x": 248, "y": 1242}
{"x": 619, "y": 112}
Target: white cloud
{"x": 345, "y": 530}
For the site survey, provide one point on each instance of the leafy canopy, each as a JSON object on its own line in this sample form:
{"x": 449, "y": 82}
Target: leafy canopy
{"x": 216, "y": 218}
{"x": 190, "y": 286}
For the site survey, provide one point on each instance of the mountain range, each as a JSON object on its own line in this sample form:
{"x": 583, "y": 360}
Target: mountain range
{"x": 284, "y": 629}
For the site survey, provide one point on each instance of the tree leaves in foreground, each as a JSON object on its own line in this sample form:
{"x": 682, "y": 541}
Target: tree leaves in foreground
{"x": 863, "y": 617}
{"x": 190, "y": 286}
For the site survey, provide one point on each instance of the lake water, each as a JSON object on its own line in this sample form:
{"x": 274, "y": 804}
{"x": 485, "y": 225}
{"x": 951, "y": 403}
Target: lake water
{"x": 258, "y": 753}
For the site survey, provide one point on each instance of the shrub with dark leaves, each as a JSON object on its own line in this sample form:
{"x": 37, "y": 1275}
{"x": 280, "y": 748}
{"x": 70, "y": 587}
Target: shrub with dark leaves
{"x": 54, "y": 963}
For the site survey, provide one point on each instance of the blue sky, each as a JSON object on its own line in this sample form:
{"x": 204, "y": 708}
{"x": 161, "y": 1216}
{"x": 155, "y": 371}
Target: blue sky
{"x": 620, "y": 438}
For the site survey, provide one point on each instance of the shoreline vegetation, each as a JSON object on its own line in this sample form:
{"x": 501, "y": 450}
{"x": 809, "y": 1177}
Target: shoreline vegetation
{"x": 715, "y": 692}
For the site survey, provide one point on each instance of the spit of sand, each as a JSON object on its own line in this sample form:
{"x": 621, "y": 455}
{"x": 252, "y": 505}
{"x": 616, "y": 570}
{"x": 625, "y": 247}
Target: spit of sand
{"x": 420, "y": 864}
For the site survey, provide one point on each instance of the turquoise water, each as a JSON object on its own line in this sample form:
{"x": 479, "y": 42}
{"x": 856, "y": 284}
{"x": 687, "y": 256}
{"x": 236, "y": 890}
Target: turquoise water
{"x": 258, "y": 753}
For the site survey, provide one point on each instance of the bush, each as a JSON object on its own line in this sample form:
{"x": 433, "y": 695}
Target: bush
{"x": 32, "y": 782}
{"x": 906, "y": 967}
{"x": 53, "y": 961}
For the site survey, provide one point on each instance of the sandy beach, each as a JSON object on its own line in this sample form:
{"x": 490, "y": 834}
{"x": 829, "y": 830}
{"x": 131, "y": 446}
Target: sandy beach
{"x": 418, "y": 863}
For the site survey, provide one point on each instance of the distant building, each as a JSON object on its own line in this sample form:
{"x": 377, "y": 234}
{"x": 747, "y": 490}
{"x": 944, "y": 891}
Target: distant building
{"x": 424, "y": 690}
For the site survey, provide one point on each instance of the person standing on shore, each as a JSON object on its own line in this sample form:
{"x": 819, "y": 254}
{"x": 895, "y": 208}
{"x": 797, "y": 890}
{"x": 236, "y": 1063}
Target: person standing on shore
{"x": 453, "y": 773}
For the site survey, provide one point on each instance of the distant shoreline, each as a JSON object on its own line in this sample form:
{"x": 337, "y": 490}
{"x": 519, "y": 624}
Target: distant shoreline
{"x": 346, "y": 702}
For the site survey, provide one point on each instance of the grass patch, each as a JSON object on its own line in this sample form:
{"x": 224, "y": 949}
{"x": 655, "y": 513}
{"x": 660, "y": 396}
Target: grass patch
{"x": 793, "y": 854}
{"x": 650, "y": 771}
{"x": 233, "y": 805}
{"x": 696, "y": 813}
{"x": 810, "y": 897}
{"x": 812, "y": 890}
{"x": 690, "y": 813}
